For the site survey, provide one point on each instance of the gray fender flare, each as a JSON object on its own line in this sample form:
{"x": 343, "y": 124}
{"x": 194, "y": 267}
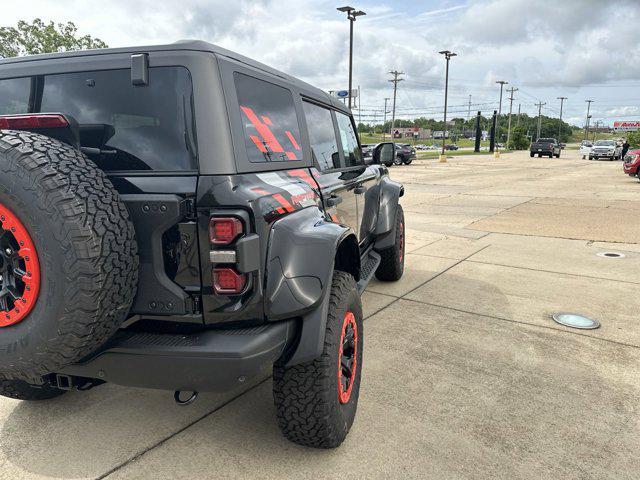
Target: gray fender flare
{"x": 385, "y": 232}
{"x": 300, "y": 262}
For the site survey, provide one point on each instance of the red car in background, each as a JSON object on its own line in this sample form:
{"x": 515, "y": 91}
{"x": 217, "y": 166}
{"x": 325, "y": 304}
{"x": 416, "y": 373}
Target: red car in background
{"x": 632, "y": 163}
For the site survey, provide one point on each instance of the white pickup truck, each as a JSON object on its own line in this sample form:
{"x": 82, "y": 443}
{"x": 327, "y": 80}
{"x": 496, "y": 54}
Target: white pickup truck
{"x": 585, "y": 149}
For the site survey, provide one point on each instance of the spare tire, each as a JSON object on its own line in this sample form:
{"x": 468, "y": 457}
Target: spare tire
{"x": 69, "y": 260}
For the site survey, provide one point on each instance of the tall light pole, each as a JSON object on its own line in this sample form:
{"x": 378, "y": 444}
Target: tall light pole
{"x": 496, "y": 154}
{"x": 562, "y": 99}
{"x": 448, "y": 55}
{"x": 396, "y": 78}
{"x": 469, "y": 111}
{"x": 352, "y": 14}
{"x": 512, "y": 90}
{"x": 586, "y": 123}
{"x": 384, "y": 121}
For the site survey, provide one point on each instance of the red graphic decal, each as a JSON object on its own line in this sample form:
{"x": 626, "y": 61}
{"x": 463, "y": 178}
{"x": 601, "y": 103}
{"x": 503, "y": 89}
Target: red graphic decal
{"x": 266, "y": 120}
{"x": 291, "y": 156}
{"x": 283, "y": 201}
{"x": 263, "y": 130}
{"x": 304, "y": 176}
{"x": 292, "y": 140}
{"x": 258, "y": 143}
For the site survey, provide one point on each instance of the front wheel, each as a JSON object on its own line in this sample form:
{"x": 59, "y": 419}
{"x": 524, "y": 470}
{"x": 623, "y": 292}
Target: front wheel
{"x": 408, "y": 161}
{"x": 316, "y": 401}
{"x": 391, "y": 266}
{"x": 397, "y": 161}
{"x": 531, "y": 154}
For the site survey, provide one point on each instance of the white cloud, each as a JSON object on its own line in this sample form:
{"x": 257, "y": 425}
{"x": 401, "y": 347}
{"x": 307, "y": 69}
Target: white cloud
{"x": 547, "y": 47}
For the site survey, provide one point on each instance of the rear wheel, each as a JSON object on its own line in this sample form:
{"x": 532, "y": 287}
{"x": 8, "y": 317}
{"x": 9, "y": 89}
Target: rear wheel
{"x": 391, "y": 266}
{"x": 21, "y": 390}
{"x": 316, "y": 401}
{"x": 531, "y": 154}
{"x": 408, "y": 161}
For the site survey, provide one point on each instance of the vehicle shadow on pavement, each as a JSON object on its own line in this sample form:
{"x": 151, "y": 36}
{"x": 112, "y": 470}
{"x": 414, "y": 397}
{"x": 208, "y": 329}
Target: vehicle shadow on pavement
{"x": 86, "y": 434}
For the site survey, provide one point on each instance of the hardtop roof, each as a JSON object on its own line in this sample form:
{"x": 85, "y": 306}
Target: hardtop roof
{"x": 184, "y": 45}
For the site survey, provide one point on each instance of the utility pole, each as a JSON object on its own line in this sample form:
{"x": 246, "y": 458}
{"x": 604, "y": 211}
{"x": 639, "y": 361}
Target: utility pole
{"x": 352, "y": 14}
{"x": 384, "y": 117}
{"x": 512, "y": 90}
{"x": 562, "y": 99}
{"x": 359, "y": 106}
{"x": 539, "y": 105}
{"x": 447, "y": 55}
{"x": 469, "y": 112}
{"x": 518, "y": 121}
{"x": 396, "y": 78}
{"x": 502, "y": 83}
{"x": 586, "y": 123}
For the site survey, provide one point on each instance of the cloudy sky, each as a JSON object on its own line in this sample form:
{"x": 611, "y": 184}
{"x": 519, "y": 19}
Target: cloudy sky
{"x": 546, "y": 48}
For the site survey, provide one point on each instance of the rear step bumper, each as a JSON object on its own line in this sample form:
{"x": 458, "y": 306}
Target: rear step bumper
{"x": 211, "y": 361}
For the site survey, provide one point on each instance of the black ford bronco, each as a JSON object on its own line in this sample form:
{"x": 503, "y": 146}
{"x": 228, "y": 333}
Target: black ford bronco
{"x": 180, "y": 217}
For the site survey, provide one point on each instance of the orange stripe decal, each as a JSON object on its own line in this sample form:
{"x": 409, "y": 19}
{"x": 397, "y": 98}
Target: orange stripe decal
{"x": 283, "y": 201}
{"x": 258, "y": 143}
{"x": 266, "y": 120}
{"x": 292, "y": 140}
{"x": 263, "y": 130}
{"x": 291, "y": 156}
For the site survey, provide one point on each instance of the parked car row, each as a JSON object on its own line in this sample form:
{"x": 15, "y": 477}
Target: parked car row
{"x": 601, "y": 149}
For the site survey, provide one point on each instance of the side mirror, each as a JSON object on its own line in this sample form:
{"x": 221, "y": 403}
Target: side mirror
{"x": 384, "y": 153}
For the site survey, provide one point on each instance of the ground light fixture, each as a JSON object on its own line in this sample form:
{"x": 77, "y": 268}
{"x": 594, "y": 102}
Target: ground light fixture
{"x": 575, "y": 320}
{"x": 352, "y": 14}
{"x": 447, "y": 55}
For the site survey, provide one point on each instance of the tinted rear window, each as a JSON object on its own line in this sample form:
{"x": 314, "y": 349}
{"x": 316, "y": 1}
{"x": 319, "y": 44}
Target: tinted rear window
{"x": 14, "y": 96}
{"x": 269, "y": 120}
{"x": 136, "y": 128}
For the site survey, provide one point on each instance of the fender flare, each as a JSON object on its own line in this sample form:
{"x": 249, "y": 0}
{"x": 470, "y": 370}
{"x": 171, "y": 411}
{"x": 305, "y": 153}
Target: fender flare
{"x": 301, "y": 257}
{"x": 385, "y": 232}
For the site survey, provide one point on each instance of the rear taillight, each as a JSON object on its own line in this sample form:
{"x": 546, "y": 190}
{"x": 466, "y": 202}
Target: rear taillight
{"x": 27, "y": 122}
{"x": 224, "y": 230}
{"x": 227, "y": 281}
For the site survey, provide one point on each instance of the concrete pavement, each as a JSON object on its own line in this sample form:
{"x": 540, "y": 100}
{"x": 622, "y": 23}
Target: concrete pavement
{"x": 465, "y": 376}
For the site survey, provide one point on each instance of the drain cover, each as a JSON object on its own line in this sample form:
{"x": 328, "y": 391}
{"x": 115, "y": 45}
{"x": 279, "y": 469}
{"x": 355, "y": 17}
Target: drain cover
{"x": 611, "y": 254}
{"x": 575, "y": 321}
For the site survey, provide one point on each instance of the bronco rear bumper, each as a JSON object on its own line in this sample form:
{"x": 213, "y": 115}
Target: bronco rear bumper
{"x": 211, "y": 361}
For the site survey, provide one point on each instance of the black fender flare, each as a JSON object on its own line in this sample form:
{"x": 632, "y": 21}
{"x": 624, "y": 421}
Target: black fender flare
{"x": 385, "y": 232}
{"x": 302, "y": 252}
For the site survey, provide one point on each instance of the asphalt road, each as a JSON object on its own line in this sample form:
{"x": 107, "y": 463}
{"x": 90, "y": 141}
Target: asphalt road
{"x": 465, "y": 373}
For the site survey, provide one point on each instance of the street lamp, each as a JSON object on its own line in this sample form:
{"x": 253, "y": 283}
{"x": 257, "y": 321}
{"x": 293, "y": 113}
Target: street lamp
{"x": 448, "y": 55}
{"x": 496, "y": 154}
{"x": 352, "y": 14}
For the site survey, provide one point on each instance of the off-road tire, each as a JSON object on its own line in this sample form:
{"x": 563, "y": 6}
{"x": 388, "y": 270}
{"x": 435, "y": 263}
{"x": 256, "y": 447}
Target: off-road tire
{"x": 86, "y": 248}
{"x": 391, "y": 266}
{"x": 408, "y": 161}
{"x": 531, "y": 154}
{"x": 306, "y": 396}
{"x": 21, "y": 390}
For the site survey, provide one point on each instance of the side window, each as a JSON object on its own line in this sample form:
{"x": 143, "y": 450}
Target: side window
{"x": 322, "y": 135}
{"x": 352, "y": 153}
{"x": 269, "y": 120}
{"x": 14, "y": 96}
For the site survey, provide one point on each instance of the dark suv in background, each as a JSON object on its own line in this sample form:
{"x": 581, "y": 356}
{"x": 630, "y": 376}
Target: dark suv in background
{"x": 182, "y": 217}
{"x": 405, "y": 154}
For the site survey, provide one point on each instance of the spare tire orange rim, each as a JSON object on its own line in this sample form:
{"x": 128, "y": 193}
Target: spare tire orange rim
{"x": 19, "y": 270}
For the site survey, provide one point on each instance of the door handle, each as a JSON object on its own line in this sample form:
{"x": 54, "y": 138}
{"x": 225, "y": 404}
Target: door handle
{"x": 360, "y": 189}
{"x": 333, "y": 200}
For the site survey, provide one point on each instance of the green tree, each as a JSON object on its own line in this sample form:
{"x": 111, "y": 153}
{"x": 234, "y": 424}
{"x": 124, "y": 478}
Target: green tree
{"x": 39, "y": 37}
{"x": 518, "y": 140}
{"x": 634, "y": 139}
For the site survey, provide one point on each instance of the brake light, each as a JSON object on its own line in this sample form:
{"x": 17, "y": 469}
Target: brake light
{"x": 224, "y": 230}
{"x": 227, "y": 281}
{"x": 26, "y": 122}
